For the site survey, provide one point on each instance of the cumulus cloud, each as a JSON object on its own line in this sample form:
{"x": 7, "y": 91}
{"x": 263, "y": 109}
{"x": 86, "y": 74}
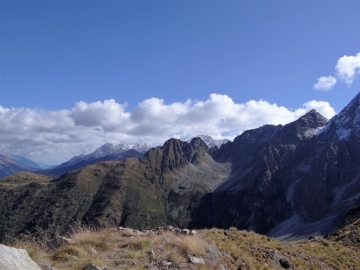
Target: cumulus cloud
{"x": 107, "y": 114}
{"x": 346, "y": 70}
{"x": 325, "y": 83}
{"x": 347, "y": 67}
{"x": 56, "y": 136}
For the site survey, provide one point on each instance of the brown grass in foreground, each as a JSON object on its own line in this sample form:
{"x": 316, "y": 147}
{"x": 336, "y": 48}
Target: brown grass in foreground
{"x": 230, "y": 249}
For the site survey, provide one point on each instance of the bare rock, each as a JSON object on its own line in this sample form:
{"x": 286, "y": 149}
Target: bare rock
{"x": 46, "y": 266}
{"x": 196, "y": 260}
{"x": 92, "y": 266}
{"x": 185, "y": 231}
{"x": 165, "y": 239}
{"x": 160, "y": 248}
{"x": 15, "y": 259}
{"x": 284, "y": 263}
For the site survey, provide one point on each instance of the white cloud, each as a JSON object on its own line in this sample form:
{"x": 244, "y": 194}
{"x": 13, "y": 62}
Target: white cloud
{"x": 347, "y": 67}
{"x": 107, "y": 114}
{"x": 325, "y": 83}
{"x": 55, "y": 136}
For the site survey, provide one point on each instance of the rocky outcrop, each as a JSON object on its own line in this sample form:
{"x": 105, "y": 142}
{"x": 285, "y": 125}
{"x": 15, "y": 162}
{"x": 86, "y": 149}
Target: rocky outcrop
{"x": 15, "y": 259}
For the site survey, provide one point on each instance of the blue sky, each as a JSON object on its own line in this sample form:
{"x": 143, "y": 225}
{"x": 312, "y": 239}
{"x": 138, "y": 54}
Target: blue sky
{"x": 63, "y": 57}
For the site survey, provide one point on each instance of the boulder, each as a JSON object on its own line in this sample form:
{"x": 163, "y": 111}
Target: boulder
{"x": 46, "y": 266}
{"x": 196, "y": 260}
{"x": 185, "y": 231}
{"x": 165, "y": 239}
{"x": 92, "y": 266}
{"x": 284, "y": 263}
{"x": 15, "y": 259}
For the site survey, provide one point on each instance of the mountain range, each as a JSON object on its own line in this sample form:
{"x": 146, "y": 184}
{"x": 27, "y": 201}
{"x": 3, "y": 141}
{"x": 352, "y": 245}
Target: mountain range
{"x": 288, "y": 181}
{"x": 106, "y": 152}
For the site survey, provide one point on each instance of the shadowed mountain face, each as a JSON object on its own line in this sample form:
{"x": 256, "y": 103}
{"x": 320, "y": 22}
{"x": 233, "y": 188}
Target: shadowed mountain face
{"x": 257, "y": 194}
{"x": 25, "y": 161}
{"x": 287, "y": 181}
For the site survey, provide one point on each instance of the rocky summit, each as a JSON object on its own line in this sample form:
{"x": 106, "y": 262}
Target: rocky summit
{"x": 288, "y": 181}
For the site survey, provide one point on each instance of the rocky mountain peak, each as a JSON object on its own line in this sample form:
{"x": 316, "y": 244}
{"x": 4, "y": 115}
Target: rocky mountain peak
{"x": 308, "y": 125}
{"x": 105, "y": 149}
{"x": 345, "y": 123}
{"x": 176, "y": 153}
{"x": 140, "y": 147}
{"x": 195, "y": 145}
{"x": 210, "y": 142}
{"x": 315, "y": 117}
{"x": 352, "y": 107}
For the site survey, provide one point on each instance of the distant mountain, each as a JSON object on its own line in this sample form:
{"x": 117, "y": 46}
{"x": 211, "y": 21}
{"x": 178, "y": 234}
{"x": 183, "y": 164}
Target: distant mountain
{"x": 105, "y": 152}
{"x": 210, "y": 142}
{"x": 45, "y": 166}
{"x": 9, "y": 166}
{"x": 108, "y": 149}
{"x": 25, "y": 161}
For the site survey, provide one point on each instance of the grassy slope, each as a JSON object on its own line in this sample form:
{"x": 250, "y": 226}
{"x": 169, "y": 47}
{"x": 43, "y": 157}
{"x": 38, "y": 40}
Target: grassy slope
{"x": 125, "y": 249}
{"x": 104, "y": 194}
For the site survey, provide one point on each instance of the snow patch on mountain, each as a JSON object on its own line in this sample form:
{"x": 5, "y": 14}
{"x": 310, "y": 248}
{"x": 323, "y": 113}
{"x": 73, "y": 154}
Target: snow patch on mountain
{"x": 109, "y": 149}
{"x": 312, "y": 131}
{"x": 140, "y": 147}
{"x": 210, "y": 142}
{"x": 346, "y": 122}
